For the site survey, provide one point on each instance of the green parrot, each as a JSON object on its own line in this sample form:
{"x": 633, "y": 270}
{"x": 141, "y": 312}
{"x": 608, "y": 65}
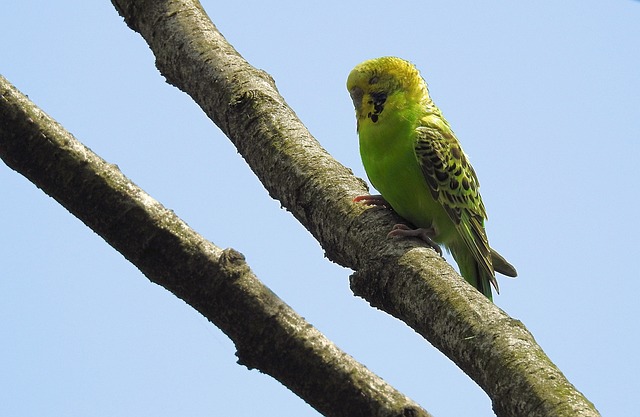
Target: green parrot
{"x": 413, "y": 158}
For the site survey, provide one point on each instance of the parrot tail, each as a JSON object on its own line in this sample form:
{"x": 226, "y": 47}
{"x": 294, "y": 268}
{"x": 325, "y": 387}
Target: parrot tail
{"x": 484, "y": 282}
{"x": 474, "y": 273}
{"x": 502, "y": 265}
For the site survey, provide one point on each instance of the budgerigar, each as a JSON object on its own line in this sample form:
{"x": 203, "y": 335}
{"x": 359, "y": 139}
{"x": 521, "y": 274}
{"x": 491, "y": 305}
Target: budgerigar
{"x": 413, "y": 158}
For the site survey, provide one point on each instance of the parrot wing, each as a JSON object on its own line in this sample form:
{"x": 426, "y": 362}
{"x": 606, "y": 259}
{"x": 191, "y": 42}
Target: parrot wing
{"x": 454, "y": 184}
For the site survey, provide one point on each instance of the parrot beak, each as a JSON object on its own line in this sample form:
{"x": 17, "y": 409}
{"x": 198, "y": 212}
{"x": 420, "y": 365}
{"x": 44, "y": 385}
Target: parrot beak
{"x": 356, "y": 94}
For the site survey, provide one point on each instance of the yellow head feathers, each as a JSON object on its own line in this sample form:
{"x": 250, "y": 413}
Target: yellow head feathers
{"x": 373, "y": 83}
{"x": 389, "y": 72}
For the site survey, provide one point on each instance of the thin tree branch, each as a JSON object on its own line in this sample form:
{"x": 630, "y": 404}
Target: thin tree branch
{"x": 401, "y": 278}
{"x": 268, "y": 334}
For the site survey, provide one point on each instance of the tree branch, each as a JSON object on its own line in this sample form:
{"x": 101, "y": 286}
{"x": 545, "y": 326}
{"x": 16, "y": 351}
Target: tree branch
{"x": 401, "y": 278}
{"x": 268, "y": 334}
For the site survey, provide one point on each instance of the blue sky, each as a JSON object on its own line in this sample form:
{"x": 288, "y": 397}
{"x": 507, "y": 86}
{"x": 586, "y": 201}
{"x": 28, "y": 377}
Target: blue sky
{"x": 544, "y": 96}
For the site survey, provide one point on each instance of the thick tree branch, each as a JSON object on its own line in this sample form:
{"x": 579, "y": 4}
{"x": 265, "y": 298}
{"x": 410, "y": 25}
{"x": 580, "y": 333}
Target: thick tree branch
{"x": 218, "y": 283}
{"x": 401, "y": 278}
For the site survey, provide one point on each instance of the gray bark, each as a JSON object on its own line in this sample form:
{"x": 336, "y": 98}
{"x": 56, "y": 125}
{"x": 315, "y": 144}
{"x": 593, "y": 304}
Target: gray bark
{"x": 268, "y": 334}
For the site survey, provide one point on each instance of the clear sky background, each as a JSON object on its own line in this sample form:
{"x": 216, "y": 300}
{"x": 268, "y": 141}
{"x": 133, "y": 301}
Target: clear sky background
{"x": 544, "y": 96}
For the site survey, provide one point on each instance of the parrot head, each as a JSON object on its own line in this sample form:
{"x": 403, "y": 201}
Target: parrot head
{"x": 373, "y": 83}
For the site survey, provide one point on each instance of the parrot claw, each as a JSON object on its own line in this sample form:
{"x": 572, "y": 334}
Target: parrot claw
{"x": 402, "y": 230}
{"x": 372, "y": 200}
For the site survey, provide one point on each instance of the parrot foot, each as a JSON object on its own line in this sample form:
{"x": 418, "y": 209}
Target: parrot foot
{"x": 402, "y": 230}
{"x": 372, "y": 200}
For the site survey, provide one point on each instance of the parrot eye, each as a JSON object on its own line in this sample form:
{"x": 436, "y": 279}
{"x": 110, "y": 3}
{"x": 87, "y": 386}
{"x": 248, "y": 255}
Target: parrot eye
{"x": 373, "y": 80}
